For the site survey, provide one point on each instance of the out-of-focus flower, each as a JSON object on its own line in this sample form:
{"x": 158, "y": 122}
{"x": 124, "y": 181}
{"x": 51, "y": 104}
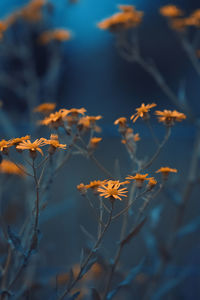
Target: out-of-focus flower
{"x": 55, "y": 120}
{"x": 142, "y": 111}
{"x": 89, "y": 122}
{"x": 4, "y": 146}
{"x": 168, "y": 117}
{"x": 45, "y": 108}
{"x": 128, "y": 17}
{"x": 32, "y": 12}
{"x": 165, "y": 171}
{"x": 54, "y": 144}
{"x": 151, "y": 182}
{"x": 8, "y": 167}
{"x": 93, "y": 143}
{"x": 179, "y": 24}
{"x": 3, "y": 28}
{"x": 112, "y": 190}
{"x": 32, "y": 146}
{"x": 60, "y": 35}
{"x": 139, "y": 178}
{"x": 122, "y": 122}
{"x": 171, "y": 11}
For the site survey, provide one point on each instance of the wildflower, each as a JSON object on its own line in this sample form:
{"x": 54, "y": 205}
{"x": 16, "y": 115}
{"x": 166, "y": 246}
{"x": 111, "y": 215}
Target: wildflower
{"x": 112, "y": 190}
{"x": 8, "y": 167}
{"x": 73, "y": 115}
{"x": 4, "y": 146}
{"x": 165, "y": 172}
{"x": 122, "y": 122}
{"x": 16, "y": 141}
{"x": 55, "y": 120}
{"x": 128, "y": 17}
{"x": 82, "y": 188}
{"x": 89, "y": 122}
{"x": 139, "y": 178}
{"x": 168, "y": 117}
{"x": 93, "y": 143}
{"x": 59, "y": 35}
{"x": 142, "y": 111}
{"x": 171, "y": 11}
{"x": 151, "y": 182}
{"x": 54, "y": 144}
{"x": 32, "y": 146}
{"x": 179, "y": 24}
{"x": 45, "y": 108}
{"x": 32, "y": 12}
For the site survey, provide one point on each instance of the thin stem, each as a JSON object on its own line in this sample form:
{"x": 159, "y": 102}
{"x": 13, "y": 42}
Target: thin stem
{"x": 149, "y": 163}
{"x": 88, "y": 258}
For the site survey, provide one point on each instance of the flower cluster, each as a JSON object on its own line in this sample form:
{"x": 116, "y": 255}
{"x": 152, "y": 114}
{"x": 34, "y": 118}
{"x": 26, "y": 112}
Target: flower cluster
{"x": 177, "y": 21}
{"x": 129, "y": 17}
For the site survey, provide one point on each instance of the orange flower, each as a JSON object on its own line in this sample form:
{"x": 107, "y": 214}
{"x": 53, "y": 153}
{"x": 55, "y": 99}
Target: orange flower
{"x": 165, "y": 171}
{"x": 32, "y": 146}
{"x": 112, "y": 190}
{"x": 54, "y": 144}
{"x": 180, "y": 24}
{"x": 168, "y": 117}
{"x": 82, "y": 188}
{"x": 139, "y": 178}
{"x": 142, "y": 112}
{"x": 151, "y": 182}
{"x": 45, "y": 108}
{"x": 121, "y": 121}
{"x": 89, "y": 122}
{"x": 16, "y": 141}
{"x": 94, "y": 142}
{"x": 32, "y": 12}
{"x": 171, "y": 11}
{"x": 128, "y": 17}
{"x": 55, "y": 120}
{"x": 59, "y": 35}
{"x": 73, "y": 115}
{"x": 8, "y": 167}
{"x": 94, "y": 184}
{"x": 4, "y": 146}
{"x": 3, "y": 28}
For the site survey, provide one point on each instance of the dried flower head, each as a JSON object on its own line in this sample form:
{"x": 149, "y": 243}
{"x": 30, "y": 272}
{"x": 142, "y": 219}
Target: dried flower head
{"x": 142, "y": 111}
{"x": 171, "y": 11}
{"x": 139, "y": 178}
{"x": 45, "y": 108}
{"x": 111, "y": 189}
{"x": 128, "y": 17}
{"x": 169, "y": 117}
{"x": 60, "y": 35}
{"x": 165, "y": 171}
{"x": 32, "y": 146}
{"x": 8, "y": 167}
